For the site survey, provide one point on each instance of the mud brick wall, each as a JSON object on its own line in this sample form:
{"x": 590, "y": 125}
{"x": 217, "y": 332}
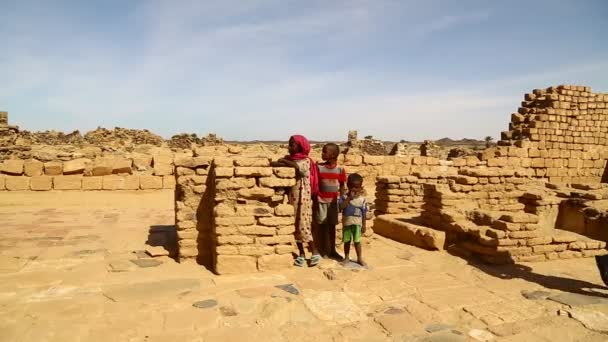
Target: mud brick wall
{"x": 563, "y": 131}
{"x": 232, "y": 214}
{"x": 141, "y": 172}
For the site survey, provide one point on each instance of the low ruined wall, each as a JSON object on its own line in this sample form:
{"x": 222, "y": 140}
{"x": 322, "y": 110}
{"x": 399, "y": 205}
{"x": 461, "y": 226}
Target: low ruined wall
{"x": 232, "y": 213}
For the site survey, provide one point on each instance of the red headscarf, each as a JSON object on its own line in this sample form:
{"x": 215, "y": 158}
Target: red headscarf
{"x": 303, "y": 154}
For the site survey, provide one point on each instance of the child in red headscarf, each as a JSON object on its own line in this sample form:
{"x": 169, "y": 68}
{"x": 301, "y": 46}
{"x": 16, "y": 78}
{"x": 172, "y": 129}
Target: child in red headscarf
{"x": 301, "y": 195}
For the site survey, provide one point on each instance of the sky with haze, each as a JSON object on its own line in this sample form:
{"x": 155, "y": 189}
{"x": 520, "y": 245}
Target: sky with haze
{"x": 256, "y": 69}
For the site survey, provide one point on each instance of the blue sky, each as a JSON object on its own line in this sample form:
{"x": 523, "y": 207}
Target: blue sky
{"x": 268, "y": 69}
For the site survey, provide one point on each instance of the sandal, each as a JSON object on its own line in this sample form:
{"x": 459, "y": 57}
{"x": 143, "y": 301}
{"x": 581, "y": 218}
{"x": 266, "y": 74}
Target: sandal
{"x": 315, "y": 260}
{"x": 299, "y": 261}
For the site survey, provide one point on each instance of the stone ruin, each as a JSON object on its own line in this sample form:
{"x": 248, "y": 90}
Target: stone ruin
{"x": 540, "y": 194}
{"x": 368, "y": 145}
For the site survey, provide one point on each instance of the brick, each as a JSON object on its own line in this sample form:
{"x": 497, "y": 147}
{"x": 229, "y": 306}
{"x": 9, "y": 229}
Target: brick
{"x": 286, "y": 230}
{"x": 163, "y": 169}
{"x": 257, "y": 230}
{"x": 17, "y": 183}
{"x": 75, "y": 166}
{"x": 253, "y": 171}
{"x": 284, "y": 172}
{"x": 524, "y": 234}
{"x": 284, "y": 210}
{"x": 520, "y": 218}
{"x": 549, "y": 248}
{"x": 92, "y": 183}
{"x": 13, "y": 167}
{"x": 168, "y": 182}
{"x": 235, "y": 264}
{"x": 274, "y": 240}
{"x": 353, "y": 159}
{"x": 223, "y": 172}
{"x": 235, "y": 221}
{"x": 67, "y": 182}
{"x": 234, "y": 239}
{"x": 227, "y": 250}
{"x": 131, "y": 182}
{"x": 255, "y": 250}
{"x": 274, "y": 262}
{"x": 277, "y": 220}
{"x": 256, "y": 193}
{"x": 41, "y": 183}
{"x": 275, "y": 182}
{"x": 248, "y": 161}
{"x": 373, "y": 160}
{"x": 33, "y": 168}
{"x": 150, "y": 182}
{"x": 283, "y": 249}
{"x": 254, "y": 209}
{"x": 53, "y": 168}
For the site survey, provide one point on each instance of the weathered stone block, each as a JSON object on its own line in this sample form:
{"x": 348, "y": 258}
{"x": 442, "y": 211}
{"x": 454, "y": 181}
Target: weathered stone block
{"x": 235, "y": 264}
{"x": 168, "y": 182}
{"x": 150, "y": 182}
{"x": 234, "y": 183}
{"x": 122, "y": 166}
{"x": 41, "y": 183}
{"x": 92, "y": 183}
{"x": 373, "y": 160}
{"x": 274, "y": 262}
{"x": 234, "y": 240}
{"x": 227, "y": 250}
{"x": 17, "y": 183}
{"x": 163, "y": 169}
{"x": 275, "y": 182}
{"x": 223, "y": 172}
{"x": 75, "y": 166}
{"x": 256, "y": 193}
{"x": 284, "y": 210}
{"x": 286, "y": 230}
{"x": 33, "y": 168}
{"x": 520, "y": 218}
{"x": 283, "y": 249}
{"x": 276, "y": 220}
{"x": 235, "y": 221}
{"x": 257, "y": 230}
{"x": 274, "y": 240}
{"x": 53, "y": 168}
{"x": 113, "y": 182}
{"x": 255, "y": 250}
{"x": 13, "y": 167}
{"x": 353, "y": 159}
{"x": 248, "y": 161}
{"x": 254, "y": 209}
{"x": 253, "y": 171}
{"x": 284, "y": 172}
{"x": 67, "y": 182}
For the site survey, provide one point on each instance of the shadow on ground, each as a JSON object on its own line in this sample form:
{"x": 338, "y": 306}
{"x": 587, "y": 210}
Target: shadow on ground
{"x": 519, "y": 271}
{"x": 163, "y": 236}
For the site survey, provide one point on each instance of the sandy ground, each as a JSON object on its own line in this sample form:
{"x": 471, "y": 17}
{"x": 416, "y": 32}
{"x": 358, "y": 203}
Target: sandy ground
{"x": 71, "y": 269}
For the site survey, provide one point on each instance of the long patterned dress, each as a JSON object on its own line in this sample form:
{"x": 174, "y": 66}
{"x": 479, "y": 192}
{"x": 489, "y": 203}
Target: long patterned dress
{"x": 301, "y": 198}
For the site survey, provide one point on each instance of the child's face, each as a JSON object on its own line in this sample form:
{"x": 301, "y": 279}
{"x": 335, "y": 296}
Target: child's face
{"x": 328, "y": 153}
{"x": 355, "y": 188}
{"x": 293, "y": 146}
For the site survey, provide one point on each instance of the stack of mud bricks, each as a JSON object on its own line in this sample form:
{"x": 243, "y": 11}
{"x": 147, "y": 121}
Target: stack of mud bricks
{"x": 564, "y": 132}
{"x": 234, "y": 216}
{"x": 107, "y": 173}
{"x": 518, "y": 237}
{"x": 3, "y": 119}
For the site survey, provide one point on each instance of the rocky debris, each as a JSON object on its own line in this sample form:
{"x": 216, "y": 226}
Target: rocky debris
{"x": 51, "y": 138}
{"x": 591, "y": 319}
{"x": 535, "y": 295}
{"x": 430, "y": 149}
{"x": 184, "y": 140}
{"x": 368, "y": 145}
{"x": 122, "y": 137}
{"x": 211, "y": 139}
{"x": 290, "y": 288}
{"x": 460, "y": 152}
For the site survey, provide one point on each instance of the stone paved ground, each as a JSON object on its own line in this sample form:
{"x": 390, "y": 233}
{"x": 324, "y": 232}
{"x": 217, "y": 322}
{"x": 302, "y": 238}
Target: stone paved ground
{"x": 66, "y": 275}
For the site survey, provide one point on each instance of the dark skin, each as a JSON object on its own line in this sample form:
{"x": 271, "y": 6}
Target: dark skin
{"x": 294, "y": 148}
{"x": 355, "y": 189}
{"x": 329, "y": 154}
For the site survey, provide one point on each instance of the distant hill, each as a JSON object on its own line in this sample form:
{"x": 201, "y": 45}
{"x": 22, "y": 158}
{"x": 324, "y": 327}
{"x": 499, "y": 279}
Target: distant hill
{"x": 465, "y": 141}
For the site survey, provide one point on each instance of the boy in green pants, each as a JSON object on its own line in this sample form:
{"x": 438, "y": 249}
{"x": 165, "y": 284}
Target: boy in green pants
{"x": 354, "y": 209}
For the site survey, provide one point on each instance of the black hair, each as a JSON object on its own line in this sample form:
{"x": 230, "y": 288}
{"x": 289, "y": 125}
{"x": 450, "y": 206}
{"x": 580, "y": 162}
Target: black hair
{"x": 333, "y": 146}
{"x": 354, "y": 178}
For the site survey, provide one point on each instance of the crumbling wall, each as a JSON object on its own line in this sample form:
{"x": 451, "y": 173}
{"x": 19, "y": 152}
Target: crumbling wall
{"x": 232, "y": 213}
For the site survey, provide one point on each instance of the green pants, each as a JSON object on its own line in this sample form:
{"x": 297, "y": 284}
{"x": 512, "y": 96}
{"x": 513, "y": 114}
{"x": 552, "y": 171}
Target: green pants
{"x": 352, "y": 232}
